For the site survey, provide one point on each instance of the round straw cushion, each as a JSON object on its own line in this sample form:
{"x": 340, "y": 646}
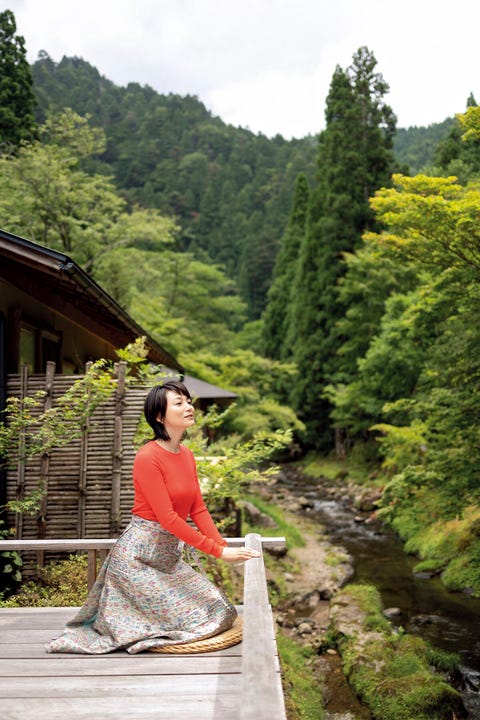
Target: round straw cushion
{"x": 226, "y": 639}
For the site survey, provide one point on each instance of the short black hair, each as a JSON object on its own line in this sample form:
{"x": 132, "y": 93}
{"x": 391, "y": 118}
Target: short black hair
{"x": 156, "y": 404}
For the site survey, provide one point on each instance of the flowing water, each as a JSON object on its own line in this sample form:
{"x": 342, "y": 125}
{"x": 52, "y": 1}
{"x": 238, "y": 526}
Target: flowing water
{"x": 450, "y": 621}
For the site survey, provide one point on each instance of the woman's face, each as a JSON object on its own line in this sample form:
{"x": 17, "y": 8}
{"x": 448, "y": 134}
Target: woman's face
{"x": 180, "y": 413}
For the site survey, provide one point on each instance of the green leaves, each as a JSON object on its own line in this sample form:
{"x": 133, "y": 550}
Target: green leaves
{"x": 224, "y": 476}
{"x": 17, "y": 102}
{"x": 354, "y": 159}
{"x": 47, "y": 196}
{"x": 432, "y": 221}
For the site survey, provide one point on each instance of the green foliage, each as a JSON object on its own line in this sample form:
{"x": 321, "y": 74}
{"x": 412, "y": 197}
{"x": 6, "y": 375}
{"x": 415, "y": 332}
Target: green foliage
{"x": 224, "y": 476}
{"x": 470, "y": 123}
{"x": 293, "y": 536}
{"x": 417, "y": 375}
{"x": 60, "y": 584}
{"x": 280, "y": 295}
{"x": 17, "y": 101}
{"x": 262, "y": 386}
{"x": 392, "y": 672}
{"x": 354, "y": 466}
{"x": 10, "y": 565}
{"x": 415, "y": 147}
{"x": 46, "y": 196}
{"x": 459, "y": 153}
{"x": 303, "y": 696}
{"x": 175, "y": 297}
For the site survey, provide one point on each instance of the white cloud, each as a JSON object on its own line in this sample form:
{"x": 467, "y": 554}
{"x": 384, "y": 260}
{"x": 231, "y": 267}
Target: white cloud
{"x": 267, "y": 64}
{"x": 273, "y": 102}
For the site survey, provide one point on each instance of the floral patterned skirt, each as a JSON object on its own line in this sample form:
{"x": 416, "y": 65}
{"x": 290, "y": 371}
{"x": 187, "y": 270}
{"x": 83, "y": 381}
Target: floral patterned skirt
{"x": 145, "y": 596}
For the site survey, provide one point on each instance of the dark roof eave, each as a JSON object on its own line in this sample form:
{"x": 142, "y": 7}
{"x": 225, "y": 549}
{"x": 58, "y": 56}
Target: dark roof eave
{"x": 64, "y": 264}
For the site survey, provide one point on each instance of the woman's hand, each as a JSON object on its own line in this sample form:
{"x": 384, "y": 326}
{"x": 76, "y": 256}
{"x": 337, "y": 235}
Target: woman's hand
{"x": 240, "y": 554}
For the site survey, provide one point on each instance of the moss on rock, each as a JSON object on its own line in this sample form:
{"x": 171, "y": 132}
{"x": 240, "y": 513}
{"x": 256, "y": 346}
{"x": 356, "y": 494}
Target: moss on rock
{"x": 399, "y": 676}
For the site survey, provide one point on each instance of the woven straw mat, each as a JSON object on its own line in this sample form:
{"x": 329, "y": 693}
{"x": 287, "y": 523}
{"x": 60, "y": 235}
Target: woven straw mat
{"x": 226, "y": 639}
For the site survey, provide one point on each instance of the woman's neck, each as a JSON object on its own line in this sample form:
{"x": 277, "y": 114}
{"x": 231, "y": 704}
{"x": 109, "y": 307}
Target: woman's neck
{"x": 172, "y": 445}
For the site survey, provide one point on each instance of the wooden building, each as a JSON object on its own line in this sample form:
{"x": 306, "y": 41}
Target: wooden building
{"x": 53, "y": 320}
{"x": 50, "y": 309}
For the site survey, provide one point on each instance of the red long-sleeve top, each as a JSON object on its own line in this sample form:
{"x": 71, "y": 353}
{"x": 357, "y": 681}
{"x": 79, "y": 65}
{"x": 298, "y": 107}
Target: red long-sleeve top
{"x": 167, "y": 491}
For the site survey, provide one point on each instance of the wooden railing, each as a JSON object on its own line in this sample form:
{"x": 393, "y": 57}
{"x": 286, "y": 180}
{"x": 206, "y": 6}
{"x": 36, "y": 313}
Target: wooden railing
{"x": 261, "y": 697}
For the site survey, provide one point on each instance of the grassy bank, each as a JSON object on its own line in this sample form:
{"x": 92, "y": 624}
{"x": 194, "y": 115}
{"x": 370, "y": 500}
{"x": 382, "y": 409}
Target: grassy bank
{"x": 303, "y": 697}
{"x": 399, "y": 676}
{"x": 354, "y": 468}
{"x": 447, "y": 547}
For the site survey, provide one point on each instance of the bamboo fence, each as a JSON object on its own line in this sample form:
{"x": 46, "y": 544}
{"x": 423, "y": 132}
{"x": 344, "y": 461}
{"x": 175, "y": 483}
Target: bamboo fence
{"x": 89, "y": 491}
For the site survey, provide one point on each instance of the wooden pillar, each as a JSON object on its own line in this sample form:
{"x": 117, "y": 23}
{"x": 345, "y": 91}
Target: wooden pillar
{"x": 45, "y": 463}
{"x": 115, "y": 512}
{"x": 21, "y": 456}
{"x": 13, "y": 339}
{"x": 82, "y": 480}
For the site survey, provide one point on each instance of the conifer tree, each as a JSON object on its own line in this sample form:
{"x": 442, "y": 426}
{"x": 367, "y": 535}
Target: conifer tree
{"x": 276, "y": 316}
{"x": 355, "y": 158}
{"x": 17, "y": 100}
{"x": 453, "y": 156}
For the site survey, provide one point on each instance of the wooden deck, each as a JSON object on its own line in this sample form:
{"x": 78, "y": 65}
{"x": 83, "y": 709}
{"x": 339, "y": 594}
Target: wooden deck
{"x": 238, "y": 683}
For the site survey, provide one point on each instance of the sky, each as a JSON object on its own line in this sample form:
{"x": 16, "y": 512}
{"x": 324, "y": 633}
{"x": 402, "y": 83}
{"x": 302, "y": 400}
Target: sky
{"x": 266, "y": 65}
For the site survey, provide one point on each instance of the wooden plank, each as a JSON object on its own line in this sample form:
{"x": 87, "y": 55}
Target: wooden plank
{"x": 222, "y": 707}
{"x": 38, "y": 611}
{"x": 119, "y": 664}
{"x": 262, "y": 698}
{"x": 36, "y": 649}
{"x": 20, "y": 490}
{"x": 52, "y": 621}
{"x": 91, "y": 568}
{"x": 120, "y": 685}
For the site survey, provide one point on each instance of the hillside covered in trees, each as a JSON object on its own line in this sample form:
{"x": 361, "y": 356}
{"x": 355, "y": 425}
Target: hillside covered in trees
{"x": 229, "y": 190}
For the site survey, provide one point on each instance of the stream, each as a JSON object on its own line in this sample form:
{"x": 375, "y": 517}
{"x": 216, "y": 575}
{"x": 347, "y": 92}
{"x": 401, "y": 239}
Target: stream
{"x": 450, "y": 621}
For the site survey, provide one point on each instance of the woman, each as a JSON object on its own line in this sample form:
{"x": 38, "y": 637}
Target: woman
{"x": 145, "y": 595}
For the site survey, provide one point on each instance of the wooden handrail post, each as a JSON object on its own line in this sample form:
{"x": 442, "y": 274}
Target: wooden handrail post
{"x": 91, "y": 568}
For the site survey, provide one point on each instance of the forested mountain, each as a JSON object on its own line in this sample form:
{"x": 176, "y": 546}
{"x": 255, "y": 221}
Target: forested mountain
{"x": 415, "y": 147}
{"x": 229, "y": 189}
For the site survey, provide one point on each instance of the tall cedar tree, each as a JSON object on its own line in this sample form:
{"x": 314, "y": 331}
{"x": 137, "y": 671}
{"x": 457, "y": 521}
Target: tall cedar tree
{"x": 355, "y": 159}
{"x": 276, "y": 316}
{"x": 17, "y": 100}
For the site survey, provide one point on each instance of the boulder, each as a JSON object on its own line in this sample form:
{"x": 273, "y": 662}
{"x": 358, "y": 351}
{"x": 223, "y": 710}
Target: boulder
{"x": 255, "y": 517}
